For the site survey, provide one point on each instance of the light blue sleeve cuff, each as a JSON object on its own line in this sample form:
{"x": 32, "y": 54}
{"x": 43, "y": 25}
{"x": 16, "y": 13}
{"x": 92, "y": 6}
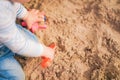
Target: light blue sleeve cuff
{"x": 20, "y": 10}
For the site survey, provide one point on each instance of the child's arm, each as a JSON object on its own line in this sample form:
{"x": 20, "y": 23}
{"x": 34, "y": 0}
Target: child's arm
{"x": 20, "y": 10}
{"x": 16, "y": 41}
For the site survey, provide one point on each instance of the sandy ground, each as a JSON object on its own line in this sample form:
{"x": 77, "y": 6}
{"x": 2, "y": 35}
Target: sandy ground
{"x": 87, "y": 37}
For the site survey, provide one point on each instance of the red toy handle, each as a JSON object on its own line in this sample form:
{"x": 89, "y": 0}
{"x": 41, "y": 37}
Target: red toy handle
{"x": 46, "y": 61}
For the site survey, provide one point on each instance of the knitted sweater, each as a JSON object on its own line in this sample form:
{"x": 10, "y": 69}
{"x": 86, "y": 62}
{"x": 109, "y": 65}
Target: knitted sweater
{"x": 11, "y": 36}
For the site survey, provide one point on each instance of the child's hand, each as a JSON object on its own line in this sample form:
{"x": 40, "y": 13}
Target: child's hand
{"x": 48, "y": 52}
{"x": 33, "y": 16}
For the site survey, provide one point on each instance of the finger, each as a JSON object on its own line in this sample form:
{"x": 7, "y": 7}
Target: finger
{"x": 42, "y": 26}
{"x": 36, "y": 12}
{"x": 40, "y": 15}
{"x": 33, "y": 9}
{"x": 39, "y": 19}
{"x": 43, "y": 13}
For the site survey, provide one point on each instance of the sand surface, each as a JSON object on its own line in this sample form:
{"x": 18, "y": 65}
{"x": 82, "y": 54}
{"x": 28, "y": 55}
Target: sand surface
{"x": 87, "y": 37}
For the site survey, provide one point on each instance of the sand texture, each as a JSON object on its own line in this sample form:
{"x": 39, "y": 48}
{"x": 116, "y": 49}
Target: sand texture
{"x": 87, "y": 37}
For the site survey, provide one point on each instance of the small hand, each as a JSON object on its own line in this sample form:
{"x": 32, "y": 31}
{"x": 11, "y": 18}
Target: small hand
{"x": 48, "y": 53}
{"x": 46, "y": 61}
{"x": 33, "y": 16}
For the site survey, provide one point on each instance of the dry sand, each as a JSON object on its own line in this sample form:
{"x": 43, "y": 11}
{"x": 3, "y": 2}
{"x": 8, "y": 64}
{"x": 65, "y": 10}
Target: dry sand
{"x": 87, "y": 37}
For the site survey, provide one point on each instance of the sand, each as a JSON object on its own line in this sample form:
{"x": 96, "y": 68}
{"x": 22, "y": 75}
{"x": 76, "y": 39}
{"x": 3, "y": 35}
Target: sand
{"x": 87, "y": 37}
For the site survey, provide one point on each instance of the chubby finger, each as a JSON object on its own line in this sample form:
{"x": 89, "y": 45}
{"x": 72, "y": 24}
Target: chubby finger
{"x": 36, "y": 12}
{"x": 42, "y": 26}
{"x": 39, "y": 19}
{"x": 40, "y": 15}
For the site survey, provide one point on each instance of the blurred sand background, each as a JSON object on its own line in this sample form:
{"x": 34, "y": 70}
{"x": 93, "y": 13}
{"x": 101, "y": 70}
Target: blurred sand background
{"x": 87, "y": 37}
